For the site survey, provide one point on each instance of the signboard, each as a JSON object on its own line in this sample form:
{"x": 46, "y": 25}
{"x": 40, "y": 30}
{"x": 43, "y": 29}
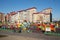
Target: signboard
{"x": 47, "y": 29}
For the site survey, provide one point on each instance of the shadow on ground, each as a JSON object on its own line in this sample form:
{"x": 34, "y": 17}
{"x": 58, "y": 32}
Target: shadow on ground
{"x": 3, "y": 36}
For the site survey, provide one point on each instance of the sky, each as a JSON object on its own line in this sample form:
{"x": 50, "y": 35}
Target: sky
{"x": 7, "y": 6}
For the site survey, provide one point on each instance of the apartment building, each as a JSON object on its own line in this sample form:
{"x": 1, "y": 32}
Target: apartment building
{"x": 13, "y": 17}
{"x": 2, "y": 17}
{"x": 27, "y": 14}
{"x": 43, "y": 16}
{"x": 30, "y": 15}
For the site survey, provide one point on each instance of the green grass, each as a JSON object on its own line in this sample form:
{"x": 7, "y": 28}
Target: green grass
{"x": 52, "y": 33}
{"x": 6, "y": 30}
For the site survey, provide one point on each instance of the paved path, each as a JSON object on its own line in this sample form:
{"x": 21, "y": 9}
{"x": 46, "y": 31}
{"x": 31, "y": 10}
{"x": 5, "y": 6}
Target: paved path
{"x": 26, "y": 36}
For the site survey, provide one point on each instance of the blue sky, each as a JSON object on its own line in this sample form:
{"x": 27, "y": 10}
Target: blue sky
{"x": 7, "y": 6}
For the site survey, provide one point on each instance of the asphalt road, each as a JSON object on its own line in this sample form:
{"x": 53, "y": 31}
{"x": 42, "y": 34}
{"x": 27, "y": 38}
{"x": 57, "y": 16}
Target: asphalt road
{"x": 26, "y": 36}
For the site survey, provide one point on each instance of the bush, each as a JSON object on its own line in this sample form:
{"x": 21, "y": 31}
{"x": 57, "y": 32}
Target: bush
{"x": 58, "y": 30}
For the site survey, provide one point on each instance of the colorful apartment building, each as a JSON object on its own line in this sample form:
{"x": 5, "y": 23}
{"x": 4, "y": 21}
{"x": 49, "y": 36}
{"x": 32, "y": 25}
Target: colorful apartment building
{"x": 2, "y": 17}
{"x": 21, "y": 15}
{"x": 12, "y": 17}
{"x": 30, "y": 15}
{"x": 43, "y": 16}
{"x": 27, "y": 14}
